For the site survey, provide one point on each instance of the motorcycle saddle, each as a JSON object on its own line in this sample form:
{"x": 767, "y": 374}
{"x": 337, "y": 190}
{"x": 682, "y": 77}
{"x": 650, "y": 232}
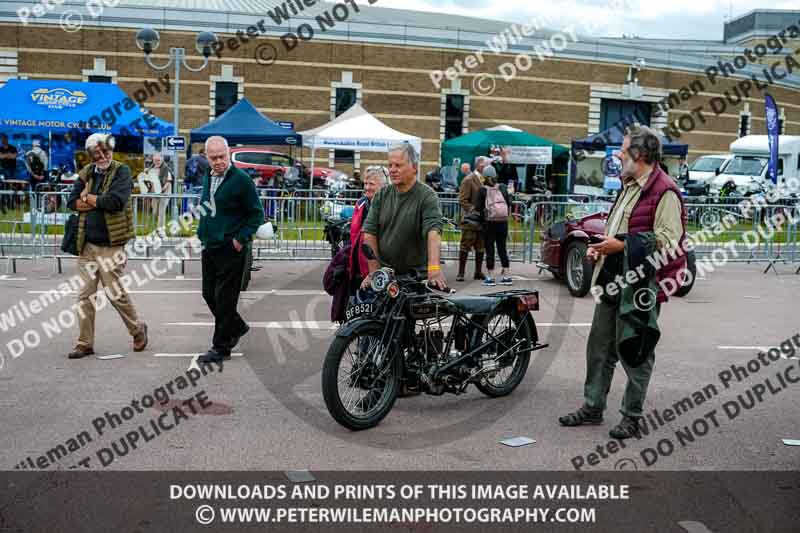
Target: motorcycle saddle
{"x": 470, "y": 304}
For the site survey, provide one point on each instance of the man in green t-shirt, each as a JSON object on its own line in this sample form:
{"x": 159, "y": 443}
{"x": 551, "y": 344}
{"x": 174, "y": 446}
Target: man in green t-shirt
{"x": 404, "y": 224}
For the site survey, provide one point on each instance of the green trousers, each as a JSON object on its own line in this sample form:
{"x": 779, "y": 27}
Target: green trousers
{"x": 601, "y": 360}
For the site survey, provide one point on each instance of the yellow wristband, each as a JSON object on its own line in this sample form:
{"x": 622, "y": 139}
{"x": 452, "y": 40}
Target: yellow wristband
{"x": 434, "y": 267}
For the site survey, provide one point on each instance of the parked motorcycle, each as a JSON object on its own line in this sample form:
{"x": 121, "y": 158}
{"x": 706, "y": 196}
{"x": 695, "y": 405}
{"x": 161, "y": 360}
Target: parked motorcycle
{"x": 728, "y": 199}
{"x": 337, "y": 233}
{"x": 400, "y": 333}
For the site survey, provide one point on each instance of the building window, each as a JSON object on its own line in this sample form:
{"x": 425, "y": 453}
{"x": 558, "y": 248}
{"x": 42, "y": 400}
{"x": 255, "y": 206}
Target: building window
{"x": 100, "y": 79}
{"x": 744, "y": 125}
{"x": 622, "y": 113}
{"x": 346, "y": 97}
{"x": 226, "y": 95}
{"x": 780, "y": 126}
{"x": 454, "y": 116}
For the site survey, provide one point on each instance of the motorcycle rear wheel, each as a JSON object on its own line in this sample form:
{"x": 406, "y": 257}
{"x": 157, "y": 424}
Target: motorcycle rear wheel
{"x": 502, "y": 382}
{"x": 357, "y": 394}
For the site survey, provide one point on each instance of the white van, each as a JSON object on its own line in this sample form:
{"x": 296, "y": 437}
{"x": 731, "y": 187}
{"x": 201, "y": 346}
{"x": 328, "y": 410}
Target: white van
{"x": 748, "y": 167}
{"x": 704, "y": 168}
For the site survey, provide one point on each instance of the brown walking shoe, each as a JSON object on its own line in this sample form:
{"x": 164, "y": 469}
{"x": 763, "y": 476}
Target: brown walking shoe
{"x": 80, "y": 351}
{"x": 140, "y": 339}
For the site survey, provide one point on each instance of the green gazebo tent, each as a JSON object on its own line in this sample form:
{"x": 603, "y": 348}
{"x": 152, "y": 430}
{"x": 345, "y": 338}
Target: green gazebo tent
{"x": 468, "y": 147}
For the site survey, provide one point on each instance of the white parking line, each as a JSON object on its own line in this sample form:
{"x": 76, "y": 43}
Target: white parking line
{"x": 194, "y": 356}
{"x": 6, "y": 277}
{"x": 235, "y": 354}
{"x": 762, "y": 348}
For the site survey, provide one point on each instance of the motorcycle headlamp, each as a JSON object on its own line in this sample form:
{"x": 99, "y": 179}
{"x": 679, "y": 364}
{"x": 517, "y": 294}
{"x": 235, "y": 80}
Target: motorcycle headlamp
{"x": 381, "y": 280}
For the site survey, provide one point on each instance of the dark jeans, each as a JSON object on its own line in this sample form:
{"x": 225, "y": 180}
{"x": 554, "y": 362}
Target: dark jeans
{"x": 495, "y": 233}
{"x": 222, "y": 280}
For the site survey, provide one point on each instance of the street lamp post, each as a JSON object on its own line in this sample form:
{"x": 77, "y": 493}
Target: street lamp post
{"x": 147, "y": 39}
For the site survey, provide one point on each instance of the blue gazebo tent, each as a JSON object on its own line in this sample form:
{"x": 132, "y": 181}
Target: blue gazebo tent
{"x": 244, "y": 124}
{"x": 57, "y": 106}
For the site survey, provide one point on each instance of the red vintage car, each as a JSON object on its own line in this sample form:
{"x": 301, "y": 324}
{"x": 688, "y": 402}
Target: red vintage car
{"x": 563, "y": 253}
{"x": 273, "y": 166}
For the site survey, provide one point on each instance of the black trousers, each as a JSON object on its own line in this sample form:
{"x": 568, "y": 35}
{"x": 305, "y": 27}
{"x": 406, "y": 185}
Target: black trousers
{"x": 496, "y": 234}
{"x": 222, "y": 281}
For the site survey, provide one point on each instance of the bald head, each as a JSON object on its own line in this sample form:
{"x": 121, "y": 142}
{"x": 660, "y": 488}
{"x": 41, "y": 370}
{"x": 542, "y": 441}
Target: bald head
{"x": 218, "y": 154}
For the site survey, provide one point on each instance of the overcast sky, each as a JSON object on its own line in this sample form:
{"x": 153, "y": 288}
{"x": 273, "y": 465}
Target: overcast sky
{"x": 671, "y": 19}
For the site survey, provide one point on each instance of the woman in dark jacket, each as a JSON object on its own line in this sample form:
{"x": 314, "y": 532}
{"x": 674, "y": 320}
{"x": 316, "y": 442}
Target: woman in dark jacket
{"x": 495, "y": 225}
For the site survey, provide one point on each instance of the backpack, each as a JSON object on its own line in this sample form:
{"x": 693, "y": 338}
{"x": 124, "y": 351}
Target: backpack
{"x": 496, "y": 206}
{"x": 192, "y": 168}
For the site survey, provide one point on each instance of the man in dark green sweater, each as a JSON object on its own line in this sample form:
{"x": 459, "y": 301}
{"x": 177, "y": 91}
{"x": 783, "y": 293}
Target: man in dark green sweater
{"x": 225, "y": 234}
{"x": 404, "y": 224}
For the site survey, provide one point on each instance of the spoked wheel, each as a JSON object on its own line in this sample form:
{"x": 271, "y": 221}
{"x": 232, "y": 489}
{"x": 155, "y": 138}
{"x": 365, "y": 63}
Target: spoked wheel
{"x": 710, "y": 218}
{"x": 504, "y": 369}
{"x": 357, "y": 392}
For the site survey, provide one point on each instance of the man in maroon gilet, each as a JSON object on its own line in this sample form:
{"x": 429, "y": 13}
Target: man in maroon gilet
{"x": 649, "y": 202}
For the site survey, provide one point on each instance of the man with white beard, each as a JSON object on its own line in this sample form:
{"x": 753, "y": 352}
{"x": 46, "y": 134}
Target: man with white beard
{"x": 648, "y": 207}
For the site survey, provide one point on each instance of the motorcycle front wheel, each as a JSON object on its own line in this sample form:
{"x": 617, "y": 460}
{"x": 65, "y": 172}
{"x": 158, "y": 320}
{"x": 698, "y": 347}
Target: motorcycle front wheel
{"x": 357, "y": 392}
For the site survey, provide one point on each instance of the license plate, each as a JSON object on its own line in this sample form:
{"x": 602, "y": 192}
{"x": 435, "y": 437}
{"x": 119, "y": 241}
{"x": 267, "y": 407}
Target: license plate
{"x": 357, "y": 310}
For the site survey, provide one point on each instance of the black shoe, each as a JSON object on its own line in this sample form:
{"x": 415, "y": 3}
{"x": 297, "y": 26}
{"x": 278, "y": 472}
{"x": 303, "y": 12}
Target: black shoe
{"x": 213, "y": 356}
{"x": 627, "y": 428}
{"x": 583, "y": 416}
{"x": 235, "y": 340}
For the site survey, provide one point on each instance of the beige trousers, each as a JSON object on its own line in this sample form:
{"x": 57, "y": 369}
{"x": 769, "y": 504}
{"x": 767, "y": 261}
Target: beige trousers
{"x": 97, "y": 263}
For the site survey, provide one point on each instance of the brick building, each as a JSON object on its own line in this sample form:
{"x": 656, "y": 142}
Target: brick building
{"x": 384, "y": 58}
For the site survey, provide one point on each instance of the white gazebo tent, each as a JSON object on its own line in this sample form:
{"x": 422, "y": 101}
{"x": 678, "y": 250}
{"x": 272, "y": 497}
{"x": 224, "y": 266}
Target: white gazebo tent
{"x": 357, "y": 129}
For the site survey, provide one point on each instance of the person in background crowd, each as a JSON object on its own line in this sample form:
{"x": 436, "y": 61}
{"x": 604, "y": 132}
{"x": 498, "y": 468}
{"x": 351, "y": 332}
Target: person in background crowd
{"x": 465, "y": 170}
{"x": 8, "y": 158}
{"x": 36, "y": 163}
{"x": 102, "y": 197}
{"x": 165, "y": 181}
{"x": 471, "y": 229}
{"x": 506, "y": 173}
{"x": 224, "y": 236}
{"x": 493, "y": 205}
{"x": 357, "y": 182}
{"x": 683, "y": 169}
{"x": 195, "y": 172}
{"x": 375, "y": 177}
{"x": 8, "y": 170}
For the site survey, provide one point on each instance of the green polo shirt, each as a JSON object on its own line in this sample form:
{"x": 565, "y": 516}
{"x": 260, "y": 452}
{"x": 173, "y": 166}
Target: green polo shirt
{"x": 401, "y": 222}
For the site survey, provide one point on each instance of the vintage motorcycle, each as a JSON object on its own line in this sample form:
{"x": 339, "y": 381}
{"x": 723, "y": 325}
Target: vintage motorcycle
{"x": 401, "y": 333}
